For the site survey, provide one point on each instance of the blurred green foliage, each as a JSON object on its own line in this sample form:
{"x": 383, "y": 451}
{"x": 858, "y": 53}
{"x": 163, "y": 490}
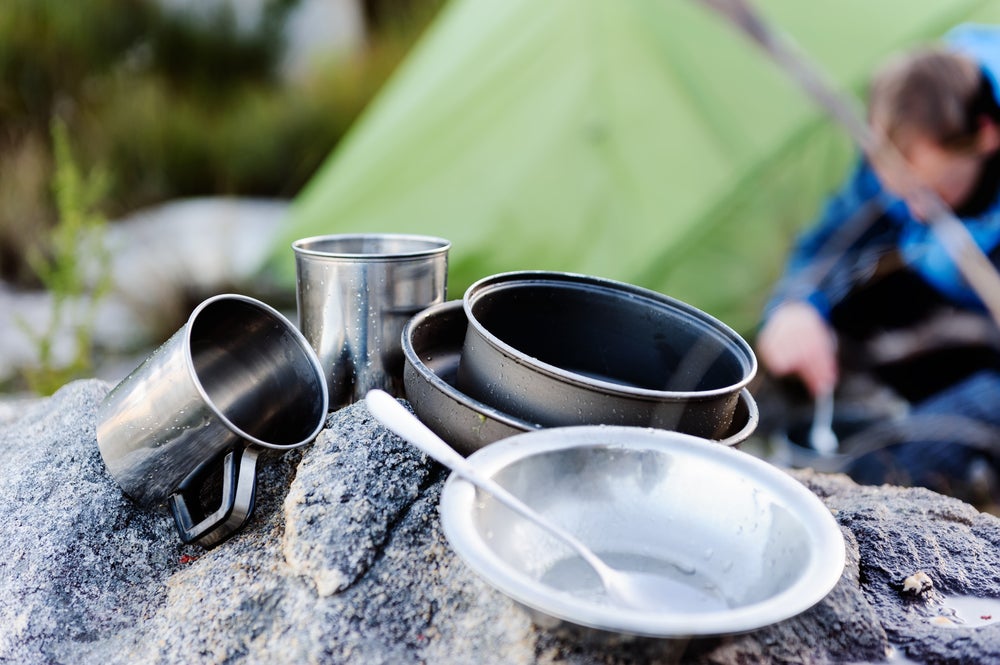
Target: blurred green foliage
{"x": 172, "y": 104}
{"x": 75, "y": 294}
{"x": 49, "y": 50}
{"x": 210, "y": 55}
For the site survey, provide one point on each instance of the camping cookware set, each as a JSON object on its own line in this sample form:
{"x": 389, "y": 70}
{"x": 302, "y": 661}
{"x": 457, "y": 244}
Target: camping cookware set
{"x": 611, "y": 410}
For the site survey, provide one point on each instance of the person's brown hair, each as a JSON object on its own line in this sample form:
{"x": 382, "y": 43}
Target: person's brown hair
{"x": 930, "y": 92}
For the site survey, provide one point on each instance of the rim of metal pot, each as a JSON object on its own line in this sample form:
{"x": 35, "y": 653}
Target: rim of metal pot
{"x": 822, "y": 572}
{"x": 436, "y": 246}
{"x": 753, "y": 419}
{"x": 615, "y": 287}
{"x": 443, "y": 386}
{"x": 299, "y": 339}
{"x": 435, "y": 382}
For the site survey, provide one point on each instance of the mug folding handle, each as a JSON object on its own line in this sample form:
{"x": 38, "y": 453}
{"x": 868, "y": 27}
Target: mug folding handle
{"x": 239, "y": 489}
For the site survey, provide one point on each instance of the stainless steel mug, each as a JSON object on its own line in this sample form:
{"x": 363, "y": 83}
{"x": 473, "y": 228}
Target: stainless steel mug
{"x": 237, "y": 379}
{"x": 355, "y": 293}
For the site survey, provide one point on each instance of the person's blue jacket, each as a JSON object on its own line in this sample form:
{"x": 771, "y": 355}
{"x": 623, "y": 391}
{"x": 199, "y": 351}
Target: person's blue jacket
{"x": 863, "y": 221}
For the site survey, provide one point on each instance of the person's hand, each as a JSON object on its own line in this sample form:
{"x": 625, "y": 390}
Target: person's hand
{"x": 797, "y": 341}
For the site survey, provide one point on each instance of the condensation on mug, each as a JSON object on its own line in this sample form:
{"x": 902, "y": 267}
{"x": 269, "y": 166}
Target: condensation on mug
{"x": 355, "y": 293}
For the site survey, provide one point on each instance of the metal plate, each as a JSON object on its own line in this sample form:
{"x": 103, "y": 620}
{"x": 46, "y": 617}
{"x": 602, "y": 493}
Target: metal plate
{"x": 723, "y": 523}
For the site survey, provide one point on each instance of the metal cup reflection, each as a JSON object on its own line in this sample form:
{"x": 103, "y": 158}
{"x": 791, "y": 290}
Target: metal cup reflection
{"x": 355, "y": 293}
{"x": 237, "y": 379}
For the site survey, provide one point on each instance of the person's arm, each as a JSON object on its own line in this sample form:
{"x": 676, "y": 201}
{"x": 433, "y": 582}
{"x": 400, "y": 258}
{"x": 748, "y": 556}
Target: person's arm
{"x": 816, "y": 267}
{"x": 796, "y": 338}
{"x": 797, "y": 341}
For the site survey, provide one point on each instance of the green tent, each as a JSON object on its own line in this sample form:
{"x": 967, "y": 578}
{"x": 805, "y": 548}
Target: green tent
{"x": 641, "y": 140}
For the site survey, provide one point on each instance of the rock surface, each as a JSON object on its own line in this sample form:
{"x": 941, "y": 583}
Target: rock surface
{"x": 344, "y": 561}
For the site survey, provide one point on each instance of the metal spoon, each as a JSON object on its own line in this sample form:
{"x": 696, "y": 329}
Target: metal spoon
{"x": 822, "y": 438}
{"x": 641, "y": 591}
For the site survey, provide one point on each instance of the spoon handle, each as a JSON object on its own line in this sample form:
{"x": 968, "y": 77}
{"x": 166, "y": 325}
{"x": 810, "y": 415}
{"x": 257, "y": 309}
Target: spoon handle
{"x": 823, "y": 412}
{"x": 396, "y": 418}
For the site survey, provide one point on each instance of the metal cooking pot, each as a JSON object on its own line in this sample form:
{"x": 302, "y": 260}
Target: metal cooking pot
{"x": 432, "y": 346}
{"x": 565, "y": 349}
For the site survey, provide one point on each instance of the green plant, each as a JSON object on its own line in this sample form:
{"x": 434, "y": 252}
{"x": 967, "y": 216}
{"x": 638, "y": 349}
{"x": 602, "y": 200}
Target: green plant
{"x": 206, "y": 53}
{"x": 51, "y": 50}
{"x": 176, "y": 102}
{"x": 63, "y": 268}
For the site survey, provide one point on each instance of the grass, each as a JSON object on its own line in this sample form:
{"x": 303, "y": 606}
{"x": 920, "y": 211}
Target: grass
{"x": 173, "y": 107}
{"x": 157, "y": 107}
{"x": 63, "y": 272}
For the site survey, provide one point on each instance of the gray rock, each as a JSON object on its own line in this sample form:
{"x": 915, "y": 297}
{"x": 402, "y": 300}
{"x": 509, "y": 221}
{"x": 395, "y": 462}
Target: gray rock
{"x": 344, "y": 561}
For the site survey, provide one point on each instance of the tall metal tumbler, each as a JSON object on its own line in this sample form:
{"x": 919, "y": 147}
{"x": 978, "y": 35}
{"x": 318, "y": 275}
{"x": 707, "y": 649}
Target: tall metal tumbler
{"x": 355, "y": 293}
{"x": 237, "y": 379}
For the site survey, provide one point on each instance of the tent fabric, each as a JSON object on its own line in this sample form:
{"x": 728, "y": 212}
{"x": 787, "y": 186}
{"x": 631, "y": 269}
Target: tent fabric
{"x": 640, "y": 140}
